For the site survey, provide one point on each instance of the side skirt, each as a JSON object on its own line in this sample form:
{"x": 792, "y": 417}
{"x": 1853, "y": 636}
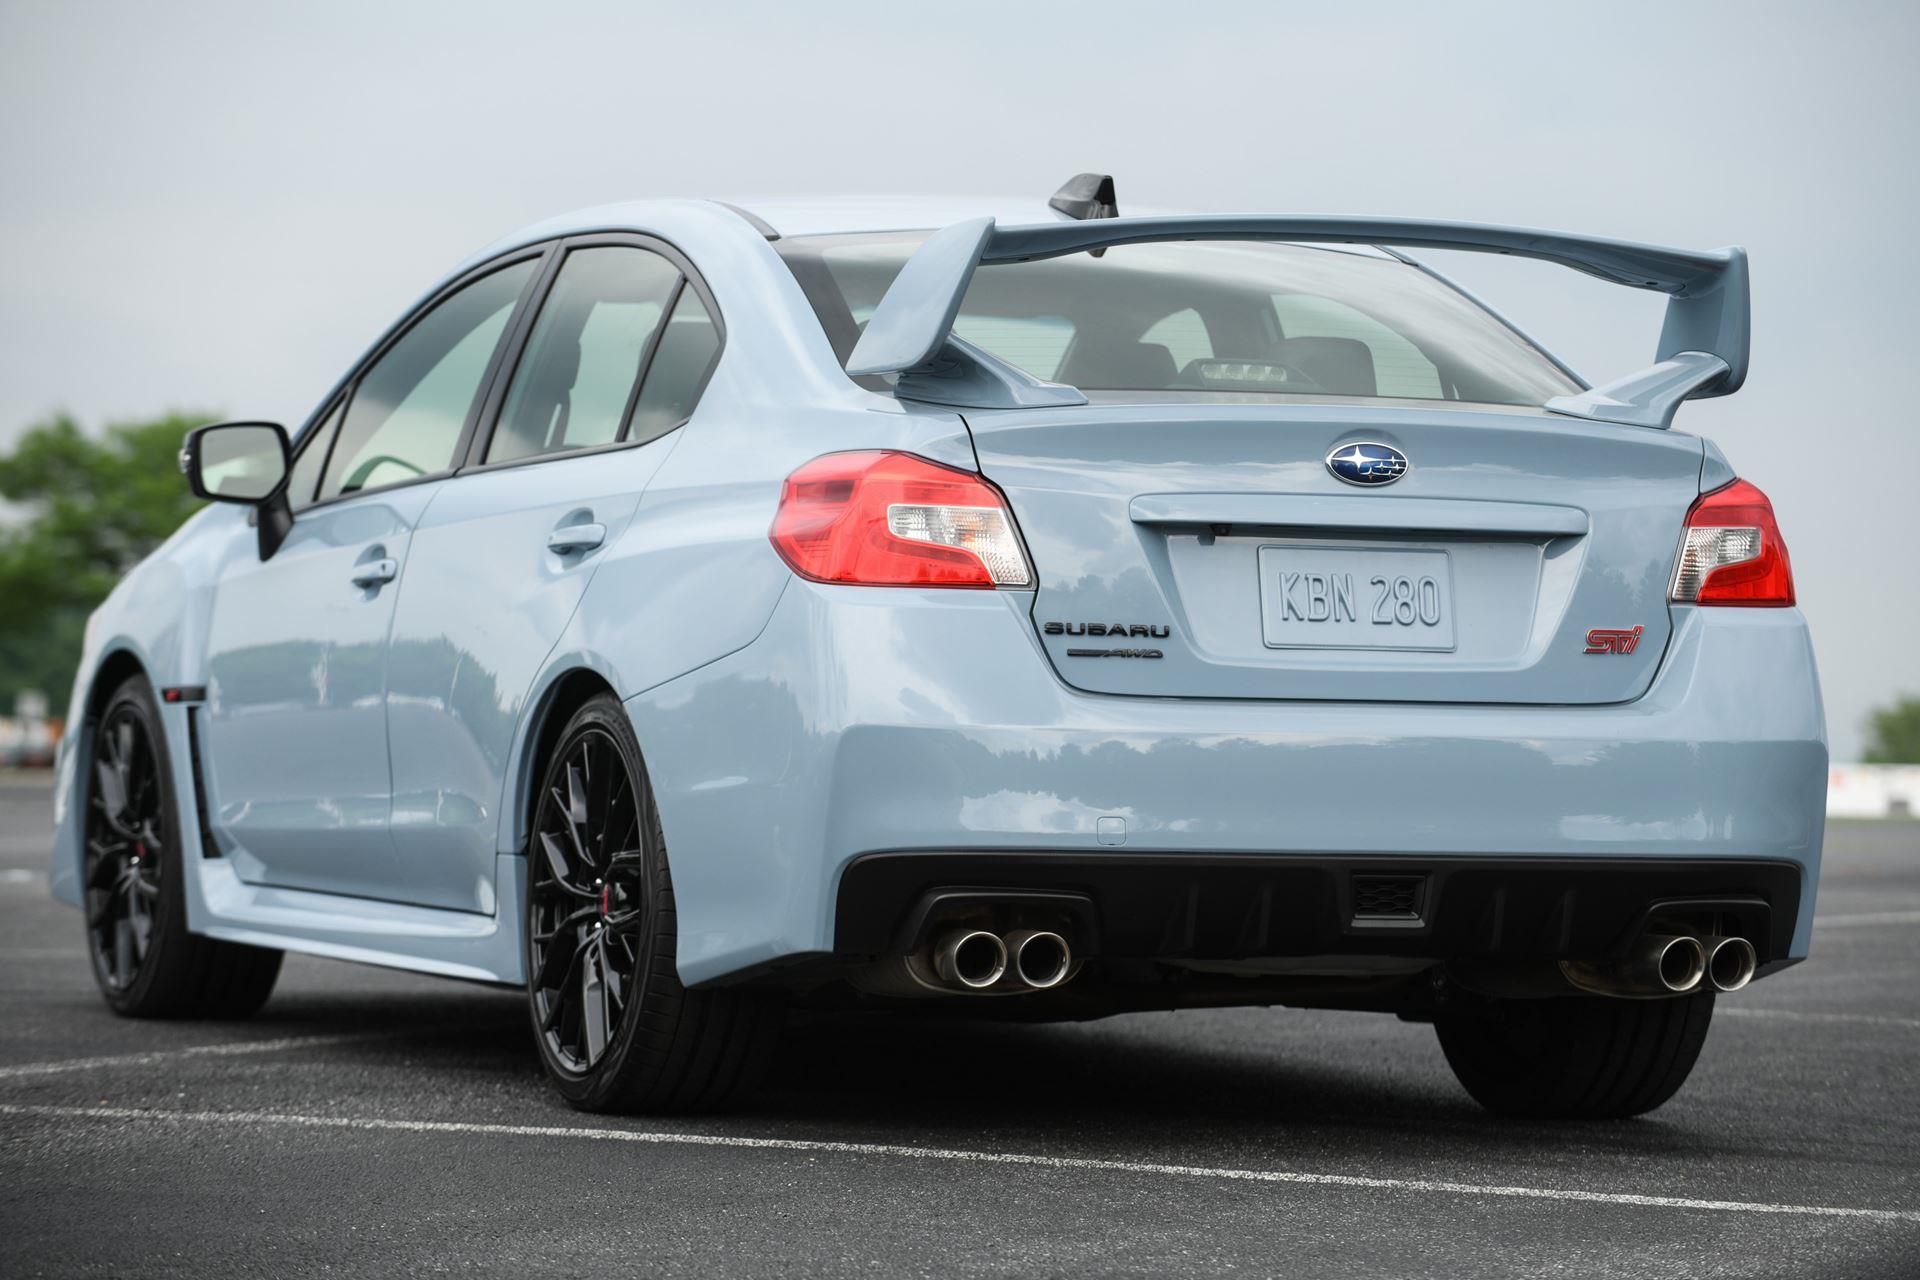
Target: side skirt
{"x": 453, "y": 944}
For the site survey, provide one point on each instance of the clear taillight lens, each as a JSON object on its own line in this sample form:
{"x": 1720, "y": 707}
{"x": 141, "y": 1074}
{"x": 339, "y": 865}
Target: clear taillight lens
{"x": 1733, "y": 552}
{"x": 890, "y": 519}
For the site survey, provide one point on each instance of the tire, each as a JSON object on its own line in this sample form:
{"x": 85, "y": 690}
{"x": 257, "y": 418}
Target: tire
{"x": 134, "y": 891}
{"x": 1574, "y": 1057}
{"x": 615, "y": 1029}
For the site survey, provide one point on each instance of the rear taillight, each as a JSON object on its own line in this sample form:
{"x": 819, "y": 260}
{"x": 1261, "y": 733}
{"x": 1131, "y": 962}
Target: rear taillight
{"x": 1733, "y": 552}
{"x": 888, "y": 519}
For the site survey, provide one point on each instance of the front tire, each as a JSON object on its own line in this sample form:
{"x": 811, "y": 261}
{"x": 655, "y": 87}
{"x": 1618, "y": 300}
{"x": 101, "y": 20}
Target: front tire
{"x": 133, "y": 871}
{"x": 615, "y": 1029}
{"x": 1573, "y": 1057}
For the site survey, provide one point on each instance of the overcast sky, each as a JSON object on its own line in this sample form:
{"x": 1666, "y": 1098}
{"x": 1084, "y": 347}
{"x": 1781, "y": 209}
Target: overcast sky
{"x": 217, "y": 207}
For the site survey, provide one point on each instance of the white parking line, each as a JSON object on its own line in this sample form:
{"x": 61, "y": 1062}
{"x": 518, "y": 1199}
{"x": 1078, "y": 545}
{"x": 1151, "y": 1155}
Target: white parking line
{"x": 20, "y": 877}
{"x": 887, "y": 1150}
{"x": 196, "y": 1051}
{"x": 1871, "y": 917}
{"x": 1795, "y": 1015}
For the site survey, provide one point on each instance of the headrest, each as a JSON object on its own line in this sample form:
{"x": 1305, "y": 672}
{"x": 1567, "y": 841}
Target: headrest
{"x": 1133, "y": 366}
{"x": 1342, "y": 366}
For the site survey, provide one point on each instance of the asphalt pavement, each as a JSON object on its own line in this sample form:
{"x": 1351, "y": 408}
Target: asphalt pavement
{"x": 376, "y": 1123}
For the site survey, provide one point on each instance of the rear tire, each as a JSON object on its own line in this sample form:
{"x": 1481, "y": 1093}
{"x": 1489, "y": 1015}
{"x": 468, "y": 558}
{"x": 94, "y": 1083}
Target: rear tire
{"x": 615, "y": 1029}
{"x": 1575, "y": 1057}
{"x": 134, "y": 888}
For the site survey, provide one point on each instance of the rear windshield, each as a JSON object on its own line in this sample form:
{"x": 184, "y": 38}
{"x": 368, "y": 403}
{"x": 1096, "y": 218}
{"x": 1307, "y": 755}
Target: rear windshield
{"x": 1229, "y": 319}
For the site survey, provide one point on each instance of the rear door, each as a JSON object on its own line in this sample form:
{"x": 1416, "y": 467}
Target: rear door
{"x": 1210, "y": 550}
{"x": 617, "y": 355}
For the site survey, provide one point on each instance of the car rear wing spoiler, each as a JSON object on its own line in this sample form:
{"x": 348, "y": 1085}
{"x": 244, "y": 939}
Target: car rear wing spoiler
{"x": 1702, "y": 349}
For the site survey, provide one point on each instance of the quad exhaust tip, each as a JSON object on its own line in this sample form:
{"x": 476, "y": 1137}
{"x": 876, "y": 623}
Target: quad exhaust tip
{"x": 1680, "y": 962}
{"x": 1025, "y": 959}
{"x": 1731, "y": 962}
{"x": 1658, "y": 965}
{"x": 1662, "y": 964}
{"x": 971, "y": 958}
{"x": 1041, "y": 959}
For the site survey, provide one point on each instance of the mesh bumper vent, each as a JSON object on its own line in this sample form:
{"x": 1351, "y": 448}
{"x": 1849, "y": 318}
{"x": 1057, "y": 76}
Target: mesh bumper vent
{"x": 1388, "y": 897}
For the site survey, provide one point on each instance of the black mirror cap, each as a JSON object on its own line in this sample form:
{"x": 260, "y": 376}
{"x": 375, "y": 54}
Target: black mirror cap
{"x": 192, "y": 449}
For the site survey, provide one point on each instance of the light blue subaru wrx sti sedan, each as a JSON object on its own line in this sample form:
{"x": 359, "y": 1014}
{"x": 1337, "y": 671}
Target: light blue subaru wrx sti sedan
{"x": 689, "y": 612}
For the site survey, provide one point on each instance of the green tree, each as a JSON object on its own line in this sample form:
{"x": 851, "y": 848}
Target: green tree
{"x": 88, "y": 509}
{"x": 1896, "y": 733}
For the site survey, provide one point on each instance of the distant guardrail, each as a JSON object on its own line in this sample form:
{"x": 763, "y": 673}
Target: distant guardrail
{"x": 1873, "y": 790}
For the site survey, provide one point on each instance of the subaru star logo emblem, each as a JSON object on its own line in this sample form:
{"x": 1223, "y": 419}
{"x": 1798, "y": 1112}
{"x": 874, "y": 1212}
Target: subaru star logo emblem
{"x": 1367, "y": 462}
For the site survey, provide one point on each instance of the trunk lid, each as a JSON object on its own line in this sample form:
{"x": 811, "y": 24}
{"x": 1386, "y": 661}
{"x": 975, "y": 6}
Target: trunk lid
{"x": 1198, "y": 550}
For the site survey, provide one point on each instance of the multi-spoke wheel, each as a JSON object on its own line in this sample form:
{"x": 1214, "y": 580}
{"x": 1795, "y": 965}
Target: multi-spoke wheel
{"x": 124, "y": 844}
{"x": 615, "y": 1028}
{"x": 589, "y": 900}
{"x": 146, "y": 962}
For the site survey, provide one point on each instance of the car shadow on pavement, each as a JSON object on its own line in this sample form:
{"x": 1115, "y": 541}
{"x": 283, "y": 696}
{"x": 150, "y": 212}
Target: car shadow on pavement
{"x": 476, "y": 1027}
{"x": 1201, "y": 1079}
{"x": 1216, "y": 1084}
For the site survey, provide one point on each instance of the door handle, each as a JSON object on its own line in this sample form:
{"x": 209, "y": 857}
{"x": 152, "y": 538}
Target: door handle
{"x": 576, "y": 537}
{"x": 375, "y": 572}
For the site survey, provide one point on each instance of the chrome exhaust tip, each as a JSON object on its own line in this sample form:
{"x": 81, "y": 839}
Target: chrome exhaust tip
{"x": 1678, "y": 963}
{"x": 1730, "y": 962}
{"x": 1041, "y": 959}
{"x": 1659, "y": 965}
{"x": 970, "y": 958}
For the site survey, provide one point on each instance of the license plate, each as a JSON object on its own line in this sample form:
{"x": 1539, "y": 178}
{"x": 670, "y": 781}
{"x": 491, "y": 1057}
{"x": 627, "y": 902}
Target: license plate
{"x": 1355, "y": 598}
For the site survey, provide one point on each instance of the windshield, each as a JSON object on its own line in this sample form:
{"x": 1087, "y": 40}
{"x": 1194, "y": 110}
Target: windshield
{"x": 1239, "y": 320}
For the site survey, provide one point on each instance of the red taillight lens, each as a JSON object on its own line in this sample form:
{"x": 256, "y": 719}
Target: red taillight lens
{"x": 888, "y": 519}
{"x": 1733, "y": 552}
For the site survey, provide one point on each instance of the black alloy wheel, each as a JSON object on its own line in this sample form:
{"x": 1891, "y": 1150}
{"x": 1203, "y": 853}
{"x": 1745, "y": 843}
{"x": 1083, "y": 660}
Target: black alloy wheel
{"x": 133, "y": 877}
{"x": 126, "y": 833}
{"x": 588, "y": 883}
{"x": 615, "y": 1029}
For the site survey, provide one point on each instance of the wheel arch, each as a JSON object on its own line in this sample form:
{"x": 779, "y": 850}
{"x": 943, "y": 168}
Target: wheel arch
{"x": 566, "y": 690}
{"x": 113, "y": 669}
{"x": 93, "y": 686}
{"x": 118, "y": 662}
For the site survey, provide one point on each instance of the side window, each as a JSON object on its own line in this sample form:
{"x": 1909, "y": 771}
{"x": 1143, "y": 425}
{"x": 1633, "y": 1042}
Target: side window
{"x": 1349, "y": 352}
{"x": 589, "y": 349}
{"x": 303, "y": 481}
{"x": 407, "y": 411}
{"x": 678, "y": 370}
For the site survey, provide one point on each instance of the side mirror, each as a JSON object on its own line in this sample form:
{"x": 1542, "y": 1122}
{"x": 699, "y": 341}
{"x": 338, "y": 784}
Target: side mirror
{"x": 243, "y": 462}
{"x": 235, "y": 461}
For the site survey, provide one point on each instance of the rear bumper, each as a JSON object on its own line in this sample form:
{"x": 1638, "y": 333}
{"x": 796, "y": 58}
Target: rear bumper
{"x": 868, "y": 721}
